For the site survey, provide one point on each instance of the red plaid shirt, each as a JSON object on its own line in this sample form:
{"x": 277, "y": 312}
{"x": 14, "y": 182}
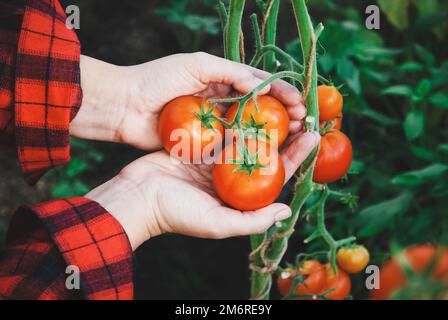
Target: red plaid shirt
{"x": 40, "y": 94}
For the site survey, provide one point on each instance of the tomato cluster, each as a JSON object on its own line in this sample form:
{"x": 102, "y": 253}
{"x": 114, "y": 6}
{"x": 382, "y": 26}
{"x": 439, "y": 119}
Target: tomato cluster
{"x": 421, "y": 258}
{"x": 246, "y": 178}
{"x": 316, "y": 279}
{"x": 335, "y": 152}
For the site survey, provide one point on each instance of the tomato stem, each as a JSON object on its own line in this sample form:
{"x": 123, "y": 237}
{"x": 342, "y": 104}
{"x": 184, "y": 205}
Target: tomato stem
{"x": 232, "y": 34}
{"x": 269, "y": 33}
{"x": 276, "y": 238}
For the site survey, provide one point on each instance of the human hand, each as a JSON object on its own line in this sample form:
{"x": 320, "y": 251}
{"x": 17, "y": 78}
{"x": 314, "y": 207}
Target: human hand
{"x": 122, "y": 104}
{"x": 155, "y": 195}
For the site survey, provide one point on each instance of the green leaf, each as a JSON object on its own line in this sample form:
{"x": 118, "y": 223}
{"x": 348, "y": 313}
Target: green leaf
{"x": 75, "y": 167}
{"x": 423, "y": 88}
{"x": 439, "y": 100}
{"x": 379, "y": 117}
{"x": 425, "y": 55}
{"x": 378, "y": 217}
{"x": 398, "y": 90}
{"x": 66, "y": 189}
{"x": 423, "y": 153}
{"x": 379, "y": 76}
{"x": 347, "y": 70}
{"x": 414, "y": 124}
{"x": 443, "y": 147}
{"x": 356, "y": 167}
{"x": 427, "y": 6}
{"x": 396, "y": 12}
{"x": 417, "y": 177}
{"x": 410, "y": 66}
{"x": 379, "y": 51}
{"x": 326, "y": 63}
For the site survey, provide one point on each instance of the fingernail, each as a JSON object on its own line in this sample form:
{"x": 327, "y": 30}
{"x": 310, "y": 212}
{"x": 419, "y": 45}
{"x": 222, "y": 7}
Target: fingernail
{"x": 282, "y": 215}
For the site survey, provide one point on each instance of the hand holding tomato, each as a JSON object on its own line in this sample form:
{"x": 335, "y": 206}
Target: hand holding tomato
{"x": 154, "y": 195}
{"x": 122, "y": 104}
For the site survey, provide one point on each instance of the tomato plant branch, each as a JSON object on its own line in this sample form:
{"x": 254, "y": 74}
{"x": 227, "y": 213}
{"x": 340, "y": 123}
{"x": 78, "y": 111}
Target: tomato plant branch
{"x": 322, "y": 296}
{"x": 223, "y": 17}
{"x": 271, "y": 248}
{"x": 262, "y": 50}
{"x": 269, "y": 32}
{"x": 321, "y": 230}
{"x": 232, "y": 32}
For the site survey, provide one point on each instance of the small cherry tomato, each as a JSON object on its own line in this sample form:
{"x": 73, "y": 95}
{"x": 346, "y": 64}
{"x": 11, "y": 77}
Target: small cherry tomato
{"x": 192, "y": 115}
{"x": 334, "y": 157}
{"x": 271, "y": 115}
{"x": 353, "y": 259}
{"x": 340, "y": 283}
{"x": 330, "y": 102}
{"x": 249, "y": 185}
{"x": 419, "y": 257}
{"x": 313, "y": 274}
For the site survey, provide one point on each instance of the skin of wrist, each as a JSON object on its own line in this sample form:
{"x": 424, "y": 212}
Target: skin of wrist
{"x": 104, "y": 103}
{"x": 124, "y": 199}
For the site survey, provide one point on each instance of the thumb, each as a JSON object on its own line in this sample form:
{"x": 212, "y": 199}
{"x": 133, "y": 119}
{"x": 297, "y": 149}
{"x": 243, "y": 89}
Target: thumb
{"x": 231, "y": 223}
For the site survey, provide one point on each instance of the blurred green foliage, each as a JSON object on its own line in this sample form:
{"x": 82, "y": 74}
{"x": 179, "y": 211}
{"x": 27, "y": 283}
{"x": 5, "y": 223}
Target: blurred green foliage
{"x": 187, "y": 15}
{"x": 395, "y": 82}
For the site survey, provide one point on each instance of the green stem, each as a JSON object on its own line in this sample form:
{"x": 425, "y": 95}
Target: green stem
{"x": 233, "y": 30}
{"x": 270, "y": 62}
{"x": 280, "y": 235}
{"x": 223, "y": 17}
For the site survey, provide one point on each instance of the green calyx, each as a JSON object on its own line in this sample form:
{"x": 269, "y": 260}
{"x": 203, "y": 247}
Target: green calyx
{"x": 248, "y": 163}
{"x": 253, "y": 130}
{"x": 206, "y": 117}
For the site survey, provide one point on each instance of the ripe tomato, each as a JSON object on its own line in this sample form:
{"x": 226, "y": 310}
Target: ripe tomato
{"x": 330, "y": 102}
{"x": 284, "y": 281}
{"x": 393, "y": 277}
{"x": 182, "y": 113}
{"x": 249, "y": 186}
{"x": 340, "y": 283}
{"x": 271, "y": 115}
{"x": 336, "y": 123}
{"x": 353, "y": 260}
{"x": 334, "y": 157}
{"x": 313, "y": 273}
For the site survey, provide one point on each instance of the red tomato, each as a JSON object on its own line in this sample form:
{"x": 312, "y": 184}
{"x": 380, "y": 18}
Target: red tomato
{"x": 334, "y": 157}
{"x": 313, "y": 273}
{"x": 248, "y": 187}
{"x": 330, "y": 102}
{"x": 393, "y": 277}
{"x": 182, "y": 113}
{"x": 353, "y": 259}
{"x": 335, "y": 123}
{"x": 340, "y": 283}
{"x": 271, "y": 115}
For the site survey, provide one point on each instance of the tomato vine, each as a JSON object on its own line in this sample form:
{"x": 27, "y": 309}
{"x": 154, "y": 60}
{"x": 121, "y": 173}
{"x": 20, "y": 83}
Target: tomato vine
{"x": 269, "y": 248}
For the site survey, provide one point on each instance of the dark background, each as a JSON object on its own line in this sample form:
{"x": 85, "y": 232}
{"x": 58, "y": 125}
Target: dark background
{"x": 395, "y": 210}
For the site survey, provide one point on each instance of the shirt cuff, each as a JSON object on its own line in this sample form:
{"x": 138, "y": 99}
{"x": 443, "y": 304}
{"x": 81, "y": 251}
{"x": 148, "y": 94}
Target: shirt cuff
{"x": 89, "y": 238}
{"x": 47, "y": 93}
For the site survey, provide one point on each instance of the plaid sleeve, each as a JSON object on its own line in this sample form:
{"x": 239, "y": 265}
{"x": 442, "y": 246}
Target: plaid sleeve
{"x": 11, "y": 14}
{"x": 46, "y": 93}
{"x": 44, "y": 239}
